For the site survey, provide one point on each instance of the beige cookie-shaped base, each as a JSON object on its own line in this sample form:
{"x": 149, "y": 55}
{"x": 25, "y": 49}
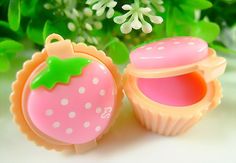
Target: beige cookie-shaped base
{"x": 31, "y": 65}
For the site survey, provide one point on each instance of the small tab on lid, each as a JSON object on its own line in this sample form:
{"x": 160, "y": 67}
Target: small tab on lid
{"x": 61, "y": 48}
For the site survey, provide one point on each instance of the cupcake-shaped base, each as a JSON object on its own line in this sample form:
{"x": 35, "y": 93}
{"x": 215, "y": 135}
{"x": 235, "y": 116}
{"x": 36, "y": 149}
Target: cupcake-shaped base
{"x": 172, "y": 83}
{"x": 167, "y": 111}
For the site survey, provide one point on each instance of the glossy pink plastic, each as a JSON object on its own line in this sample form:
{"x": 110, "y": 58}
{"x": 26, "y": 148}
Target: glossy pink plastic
{"x": 172, "y": 83}
{"x": 171, "y": 52}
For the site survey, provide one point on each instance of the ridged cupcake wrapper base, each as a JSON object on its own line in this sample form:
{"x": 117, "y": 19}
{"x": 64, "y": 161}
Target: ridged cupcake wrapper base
{"x": 164, "y": 123}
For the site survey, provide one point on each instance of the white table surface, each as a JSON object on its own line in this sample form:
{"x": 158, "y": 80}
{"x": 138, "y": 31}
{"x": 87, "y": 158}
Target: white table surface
{"x": 212, "y": 140}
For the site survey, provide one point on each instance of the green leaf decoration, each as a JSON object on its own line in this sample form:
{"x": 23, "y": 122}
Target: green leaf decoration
{"x": 35, "y": 31}
{"x": 4, "y": 63}
{"x": 14, "y": 14}
{"x": 59, "y": 71}
{"x": 118, "y": 51}
{"x": 10, "y": 46}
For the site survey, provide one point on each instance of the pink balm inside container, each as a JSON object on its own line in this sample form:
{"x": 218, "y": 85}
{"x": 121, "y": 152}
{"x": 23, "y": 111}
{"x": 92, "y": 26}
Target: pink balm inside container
{"x": 180, "y": 90}
{"x": 171, "y": 81}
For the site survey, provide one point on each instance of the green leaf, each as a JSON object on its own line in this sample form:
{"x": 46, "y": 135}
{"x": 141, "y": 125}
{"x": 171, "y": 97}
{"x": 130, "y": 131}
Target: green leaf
{"x": 4, "y": 63}
{"x": 197, "y": 4}
{"x": 183, "y": 19}
{"x": 28, "y": 7}
{"x": 59, "y": 27}
{"x": 4, "y": 24}
{"x": 7, "y": 32}
{"x": 10, "y": 46}
{"x": 206, "y": 30}
{"x": 65, "y": 67}
{"x": 3, "y": 2}
{"x": 184, "y": 14}
{"x": 118, "y": 51}
{"x": 14, "y": 14}
{"x": 169, "y": 19}
{"x": 159, "y": 31}
{"x": 223, "y": 49}
{"x": 35, "y": 31}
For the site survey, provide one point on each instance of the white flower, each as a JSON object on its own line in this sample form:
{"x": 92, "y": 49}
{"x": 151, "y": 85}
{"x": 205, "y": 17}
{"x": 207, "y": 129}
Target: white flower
{"x": 158, "y": 4}
{"x": 88, "y": 12}
{"x": 134, "y": 18}
{"x": 82, "y": 21}
{"x": 71, "y": 26}
{"x": 101, "y": 5}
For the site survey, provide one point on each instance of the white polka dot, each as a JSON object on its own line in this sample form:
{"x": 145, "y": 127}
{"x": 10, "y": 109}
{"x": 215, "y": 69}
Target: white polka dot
{"x": 103, "y": 68}
{"x": 102, "y": 92}
{"x": 149, "y": 48}
{"x": 191, "y": 43}
{"x": 95, "y": 81}
{"x": 64, "y": 101}
{"x": 49, "y": 112}
{"x": 161, "y": 48}
{"x": 176, "y": 42}
{"x": 81, "y": 90}
{"x": 88, "y": 105}
{"x": 69, "y": 131}
{"x": 202, "y": 49}
{"x": 98, "y": 128}
{"x": 98, "y": 110}
{"x": 56, "y": 124}
{"x": 86, "y": 124}
{"x": 71, "y": 114}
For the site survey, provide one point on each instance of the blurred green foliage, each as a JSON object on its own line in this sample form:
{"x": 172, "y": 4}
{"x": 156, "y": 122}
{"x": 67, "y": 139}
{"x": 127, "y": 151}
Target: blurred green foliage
{"x": 31, "y": 21}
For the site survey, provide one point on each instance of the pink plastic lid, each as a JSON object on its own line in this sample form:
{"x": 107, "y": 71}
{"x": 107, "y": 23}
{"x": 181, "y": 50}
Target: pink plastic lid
{"x": 170, "y": 52}
{"x": 77, "y": 112}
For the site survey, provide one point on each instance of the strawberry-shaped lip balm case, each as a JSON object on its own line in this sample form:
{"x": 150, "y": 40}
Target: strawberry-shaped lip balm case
{"x": 67, "y": 96}
{"x": 172, "y": 83}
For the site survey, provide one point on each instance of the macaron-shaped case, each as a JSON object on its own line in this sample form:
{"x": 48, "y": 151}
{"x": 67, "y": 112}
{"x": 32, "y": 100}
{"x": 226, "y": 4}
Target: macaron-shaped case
{"x": 67, "y": 96}
{"x": 172, "y": 83}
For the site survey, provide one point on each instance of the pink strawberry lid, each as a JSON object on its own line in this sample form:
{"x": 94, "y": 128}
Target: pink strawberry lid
{"x": 76, "y": 112}
{"x": 67, "y": 96}
{"x": 170, "y": 52}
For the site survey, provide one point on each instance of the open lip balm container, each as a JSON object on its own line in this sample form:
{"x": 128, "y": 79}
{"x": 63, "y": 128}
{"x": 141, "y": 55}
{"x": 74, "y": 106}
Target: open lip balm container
{"x": 172, "y": 83}
{"x": 67, "y": 96}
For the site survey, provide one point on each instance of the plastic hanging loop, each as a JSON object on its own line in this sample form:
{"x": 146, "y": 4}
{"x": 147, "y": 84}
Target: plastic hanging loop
{"x": 52, "y": 37}
{"x": 61, "y": 48}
